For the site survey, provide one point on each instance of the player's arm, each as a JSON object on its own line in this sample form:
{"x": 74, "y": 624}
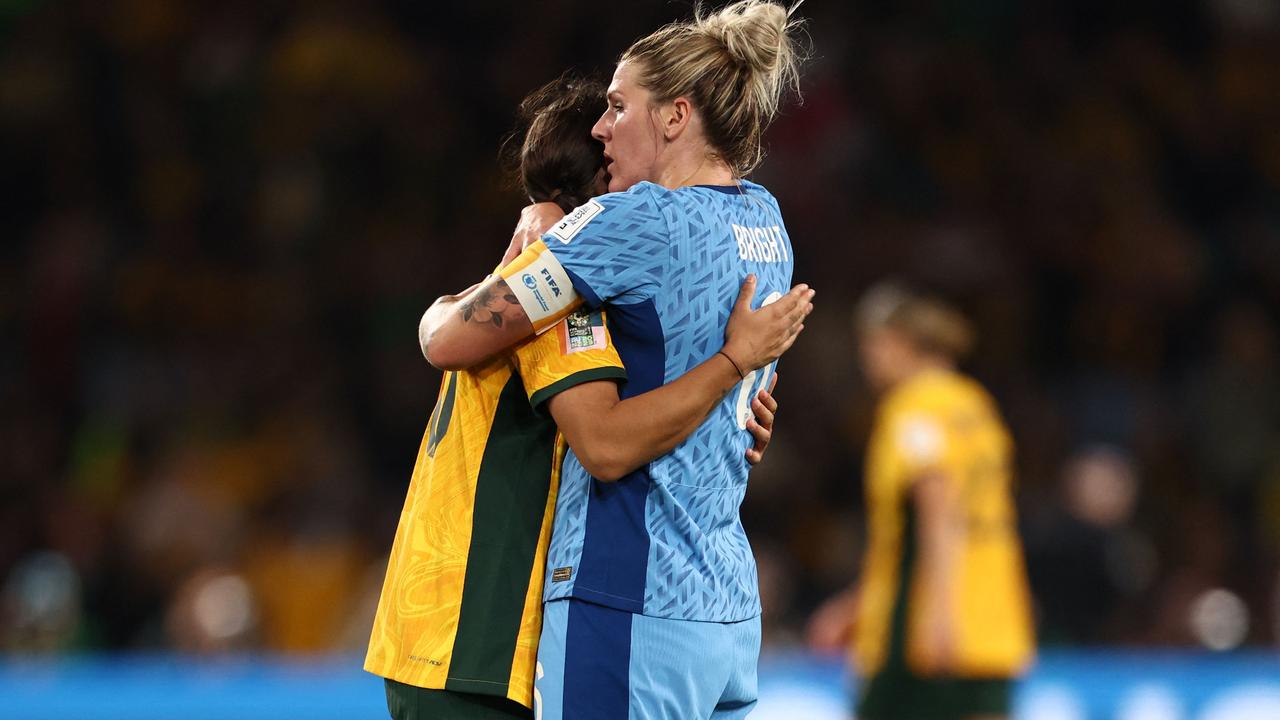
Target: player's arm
{"x": 459, "y": 331}
{"x": 939, "y": 535}
{"x": 612, "y": 437}
{"x": 610, "y": 246}
{"x": 529, "y": 294}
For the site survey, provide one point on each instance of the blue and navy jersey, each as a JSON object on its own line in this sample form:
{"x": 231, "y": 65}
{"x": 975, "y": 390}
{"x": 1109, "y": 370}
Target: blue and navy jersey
{"x": 667, "y": 539}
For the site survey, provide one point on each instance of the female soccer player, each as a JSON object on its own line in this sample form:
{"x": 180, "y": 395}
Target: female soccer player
{"x": 940, "y": 625}
{"x": 458, "y": 622}
{"x": 653, "y": 608}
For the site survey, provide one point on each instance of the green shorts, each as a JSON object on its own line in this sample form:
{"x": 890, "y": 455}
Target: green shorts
{"x": 895, "y": 694}
{"x": 407, "y": 702}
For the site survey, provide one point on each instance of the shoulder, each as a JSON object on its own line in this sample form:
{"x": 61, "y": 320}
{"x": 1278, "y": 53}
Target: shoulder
{"x": 642, "y": 194}
{"x": 913, "y": 431}
{"x": 760, "y": 193}
{"x": 954, "y": 401}
{"x": 638, "y": 210}
{"x": 758, "y": 190}
{"x": 964, "y": 396}
{"x": 936, "y": 391}
{"x": 922, "y": 405}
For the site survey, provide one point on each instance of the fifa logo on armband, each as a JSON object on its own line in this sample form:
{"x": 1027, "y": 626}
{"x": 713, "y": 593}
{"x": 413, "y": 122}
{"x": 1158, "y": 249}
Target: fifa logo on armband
{"x": 531, "y": 282}
{"x": 546, "y": 275}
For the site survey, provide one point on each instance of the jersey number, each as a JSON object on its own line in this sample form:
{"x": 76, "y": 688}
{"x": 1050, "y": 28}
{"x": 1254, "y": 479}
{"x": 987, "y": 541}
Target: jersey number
{"x": 760, "y": 377}
{"x": 537, "y": 695}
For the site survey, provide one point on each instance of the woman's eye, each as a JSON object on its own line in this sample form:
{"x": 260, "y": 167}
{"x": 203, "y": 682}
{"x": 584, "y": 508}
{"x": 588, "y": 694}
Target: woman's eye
{"x": 617, "y": 108}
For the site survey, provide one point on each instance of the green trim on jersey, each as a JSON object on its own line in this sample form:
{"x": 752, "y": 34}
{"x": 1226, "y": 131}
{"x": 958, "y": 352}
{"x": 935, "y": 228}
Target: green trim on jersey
{"x": 406, "y": 702}
{"x": 443, "y": 412}
{"x": 511, "y": 501}
{"x": 897, "y": 656}
{"x": 559, "y": 386}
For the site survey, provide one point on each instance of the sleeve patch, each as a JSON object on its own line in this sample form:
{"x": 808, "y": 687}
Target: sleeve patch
{"x": 920, "y": 440}
{"x": 575, "y": 221}
{"x": 581, "y": 331}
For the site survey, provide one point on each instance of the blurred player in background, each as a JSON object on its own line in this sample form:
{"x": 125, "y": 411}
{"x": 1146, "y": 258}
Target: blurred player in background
{"x": 939, "y": 623}
{"x": 653, "y": 606}
{"x": 460, "y": 614}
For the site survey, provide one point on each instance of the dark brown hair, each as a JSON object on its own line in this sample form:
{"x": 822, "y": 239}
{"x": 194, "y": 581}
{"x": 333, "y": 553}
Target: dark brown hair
{"x": 557, "y": 158}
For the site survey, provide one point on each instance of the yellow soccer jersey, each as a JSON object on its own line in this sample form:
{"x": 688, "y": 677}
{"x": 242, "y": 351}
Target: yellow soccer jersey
{"x": 461, "y": 606}
{"x": 944, "y": 423}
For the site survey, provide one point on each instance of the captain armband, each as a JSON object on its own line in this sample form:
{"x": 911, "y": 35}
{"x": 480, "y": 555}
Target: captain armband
{"x": 542, "y": 286}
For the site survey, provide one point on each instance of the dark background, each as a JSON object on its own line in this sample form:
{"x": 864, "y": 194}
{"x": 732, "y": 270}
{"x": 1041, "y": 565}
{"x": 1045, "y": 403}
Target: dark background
{"x": 223, "y": 220}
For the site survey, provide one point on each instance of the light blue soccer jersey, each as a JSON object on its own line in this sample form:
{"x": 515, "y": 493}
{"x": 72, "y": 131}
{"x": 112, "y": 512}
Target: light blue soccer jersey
{"x": 667, "y": 540}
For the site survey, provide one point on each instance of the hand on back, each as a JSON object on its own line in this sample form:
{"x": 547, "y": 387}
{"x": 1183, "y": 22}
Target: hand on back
{"x": 755, "y": 338}
{"x": 535, "y": 220}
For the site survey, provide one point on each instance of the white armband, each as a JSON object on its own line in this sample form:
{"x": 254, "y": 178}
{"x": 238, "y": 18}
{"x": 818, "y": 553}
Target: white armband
{"x": 542, "y": 286}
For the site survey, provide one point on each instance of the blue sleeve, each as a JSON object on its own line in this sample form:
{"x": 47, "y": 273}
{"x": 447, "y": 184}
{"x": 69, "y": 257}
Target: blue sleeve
{"x": 615, "y": 248}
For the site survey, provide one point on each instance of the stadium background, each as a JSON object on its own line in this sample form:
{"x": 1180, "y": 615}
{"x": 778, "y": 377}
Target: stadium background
{"x": 222, "y": 221}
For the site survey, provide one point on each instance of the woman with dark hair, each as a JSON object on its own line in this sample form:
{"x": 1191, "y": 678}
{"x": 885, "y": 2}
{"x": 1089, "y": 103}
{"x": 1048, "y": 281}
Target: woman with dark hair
{"x": 552, "y": 152}
{"x": 557, "y": 159}
{"x": 457, "y": 627}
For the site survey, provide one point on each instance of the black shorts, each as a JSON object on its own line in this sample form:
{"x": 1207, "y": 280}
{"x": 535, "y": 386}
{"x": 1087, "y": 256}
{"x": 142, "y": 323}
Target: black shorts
{"x": 407, "y": 702}
{"x": 895, "y": 694}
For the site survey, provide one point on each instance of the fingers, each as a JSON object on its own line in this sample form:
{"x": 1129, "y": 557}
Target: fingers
{"x": 803, "y": 305}
{"x": 764, "y": 334}
{"x": 792, "y": 301}
{"x": 763, "y": 414}
{"x": 795, "y": 306}
{"x": 783, "y": 340}
{"x": 535, "y": 220}
{"x": 773, "y": 383}
{"x": 513, "y": 250}
{"x": 745, "y": 294}
{"x": 529, "y": 237}
{"x": 800, "y": 295}
{"x": 766, "y": 398}
{"x": 762, "y": 435}
{"x": 793, "y": 328}
{"x": 790, "y": 340}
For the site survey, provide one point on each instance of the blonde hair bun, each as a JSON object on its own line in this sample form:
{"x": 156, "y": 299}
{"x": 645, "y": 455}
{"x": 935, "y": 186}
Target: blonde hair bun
{"x": 753, "y": 32}
{"x": 735, "y": 63}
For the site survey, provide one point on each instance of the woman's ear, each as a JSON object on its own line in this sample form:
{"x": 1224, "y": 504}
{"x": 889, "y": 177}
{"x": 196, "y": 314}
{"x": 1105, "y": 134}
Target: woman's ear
{"x": 675, "y": 117}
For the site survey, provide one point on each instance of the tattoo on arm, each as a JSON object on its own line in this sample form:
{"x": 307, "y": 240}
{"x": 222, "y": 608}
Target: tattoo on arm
{"x": 487, "y": 305}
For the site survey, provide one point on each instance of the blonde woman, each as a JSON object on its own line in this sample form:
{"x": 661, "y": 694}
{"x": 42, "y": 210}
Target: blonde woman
{"x": 940, "y": 623}
{"x": 652, "y": 605}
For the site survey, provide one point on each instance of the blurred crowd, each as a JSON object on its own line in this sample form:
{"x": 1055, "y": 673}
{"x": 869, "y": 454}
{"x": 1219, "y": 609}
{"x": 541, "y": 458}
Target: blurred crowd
{"x": 223, "y": 220}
